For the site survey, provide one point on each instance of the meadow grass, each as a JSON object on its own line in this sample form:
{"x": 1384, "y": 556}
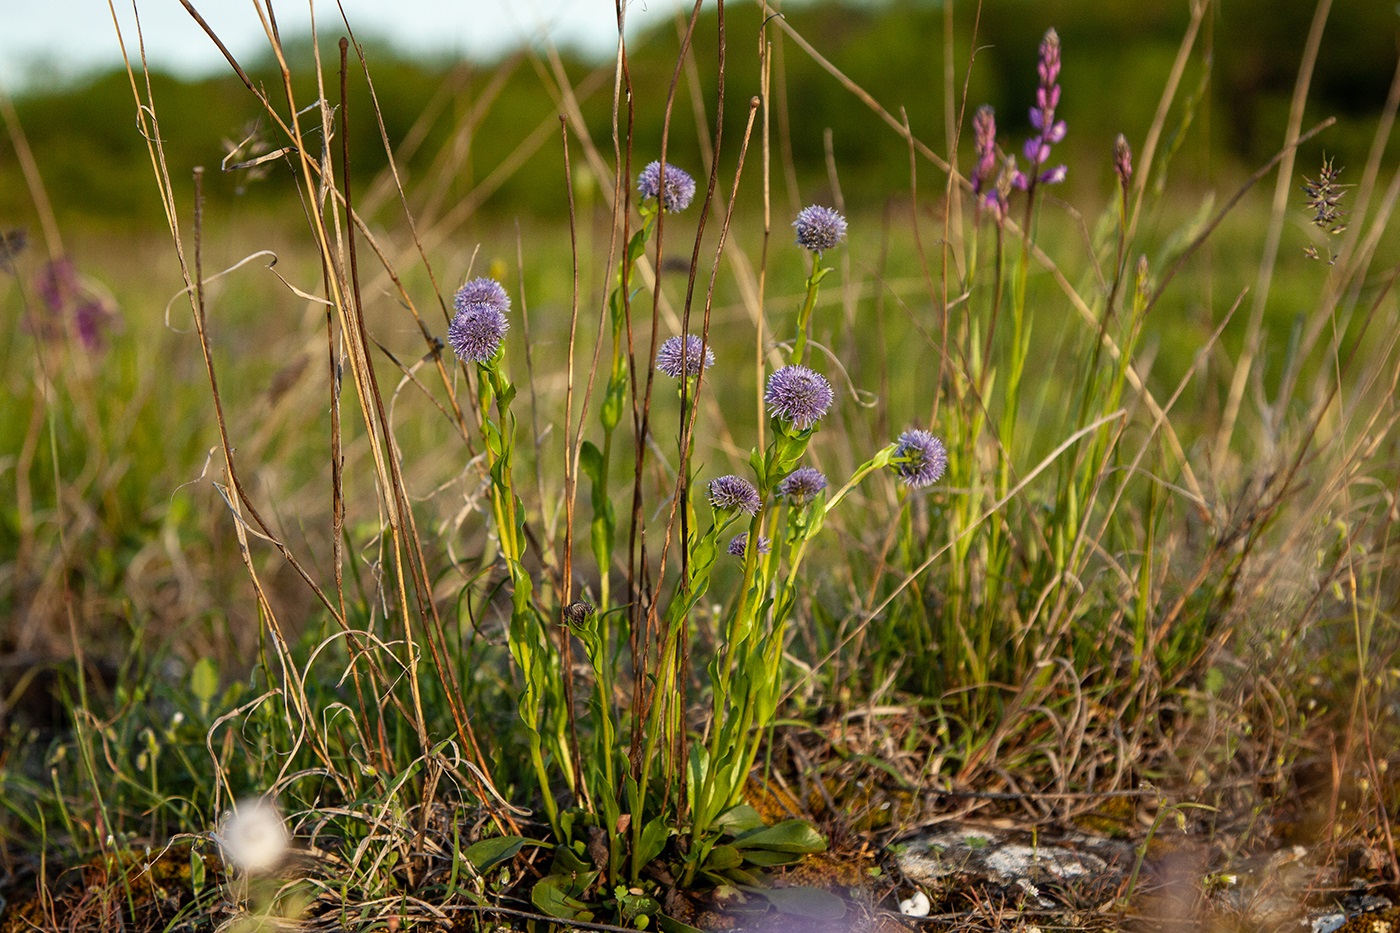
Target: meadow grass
{"x": 471, "y": 623}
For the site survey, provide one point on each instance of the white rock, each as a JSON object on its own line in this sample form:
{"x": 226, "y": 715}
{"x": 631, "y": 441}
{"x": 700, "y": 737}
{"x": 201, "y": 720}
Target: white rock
{"x": 916, "y": 905}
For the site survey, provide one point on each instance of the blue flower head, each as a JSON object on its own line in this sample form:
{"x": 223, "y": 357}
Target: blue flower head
{"x": 480, "y": 324}
{"x": 734, "y": 493}
{"x": 798, "y": 395}
{"x": 920, "y": 459}
{"x": 819, "y": 228}
{"x": 802, "y": 484}
{"x": 740, "y": 543}
{"x": 680, "y": 356}
{"x": 680, "y": 187}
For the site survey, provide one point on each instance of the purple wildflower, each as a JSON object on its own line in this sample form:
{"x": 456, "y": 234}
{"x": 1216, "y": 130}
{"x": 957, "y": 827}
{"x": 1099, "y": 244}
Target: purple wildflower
{"x": 681, "y": 356}
{"x": 476, "y": 333}
{"x": 802, "y": 484}
{"x": 920, "y": 458}
{"x": 1048, "y": 130}
{"x": 730, "y": 493}
{"x": 680, "y": 187}
{"x": 798, "y": 395}
{"x": 819, "y": 228}
{"x": 1123, "y": 161}
{"x": 480, "y": 324}
{"x": 482, "y": 292}
{"x": 740, "y": 543}
{"x": 984, "y": 128}
{"x": 57, "y": 283}
{"x": 91, "y": 319}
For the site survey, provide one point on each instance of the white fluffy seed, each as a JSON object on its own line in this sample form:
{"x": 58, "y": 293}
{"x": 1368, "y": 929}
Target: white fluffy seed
{"x": 253, "y": 837}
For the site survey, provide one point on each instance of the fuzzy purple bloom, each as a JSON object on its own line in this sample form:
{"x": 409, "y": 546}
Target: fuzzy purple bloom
{"x": 480, "y": 324}
{"x": 91, "y": 320}
{"x": 798, "y": 395}
{"x": 819, "y": 228}
{"x": 920, "y": 459}
{"x": 731, "y": 493}
{"x": 680, "y": 187}
{"x": 57, "y": 283}
{"x": 1048, "y": 130}
{"x": 802, "y": 484}
{"x": 476, "y": 333}
{"x": 740, "y": 543}
{"x": 681, "y": 356}
{"x": 482, "y": 292}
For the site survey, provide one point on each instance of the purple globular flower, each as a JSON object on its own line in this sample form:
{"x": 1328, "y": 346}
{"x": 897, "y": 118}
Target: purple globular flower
{"x": 920, "y": 459}
{"x": 802, "y": 484}
{"x": 1042, "y": 116}
{"x": 819, "y": 228}
{"x": 482, "y": 292}
{"x": 680, "y": 187}
{"x": 740, "y": 543}
{"x": 798, "y": 396}
{"x": 734, "y": 493}
{"x": 480, "y": 324}
{"x": 476, "y": 334}
{"x": 680, "y": 356}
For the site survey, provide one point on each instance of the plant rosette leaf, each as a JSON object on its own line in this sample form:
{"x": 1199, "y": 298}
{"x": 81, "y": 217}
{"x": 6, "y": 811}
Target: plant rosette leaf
{"x": 796, "y": 837}
{"x": 739, "y": 819}
{"x": 488, "y": 853}
{"x": 810, "y": 903}
{"x": 558, "y": 896}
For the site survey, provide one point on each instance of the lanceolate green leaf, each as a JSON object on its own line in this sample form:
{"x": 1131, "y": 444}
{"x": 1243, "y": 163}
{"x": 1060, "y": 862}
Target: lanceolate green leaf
{"x": 795, "y": 836}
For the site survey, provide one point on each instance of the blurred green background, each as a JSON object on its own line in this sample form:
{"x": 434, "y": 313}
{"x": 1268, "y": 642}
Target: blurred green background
{"x": 1117, "y": 55}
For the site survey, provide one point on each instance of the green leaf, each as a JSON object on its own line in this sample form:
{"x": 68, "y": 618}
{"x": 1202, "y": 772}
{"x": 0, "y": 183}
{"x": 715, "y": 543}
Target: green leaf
{"x": 569, "y": 861}
{"x": 204, "y": 681}
{"x": 722, "y": 858}
{"x": 744, "y": 878}
{"x": 738, "y": 819}
{"x": 812, "y": 903}
{"x": 671, "y": 925}
{"x": 590, "y": 461}
{"x": 556, "y": 895}
{"x": 488, "y": 853}
{"x": 788, "y": 836}
{"x": 196, "y": 871}
{"x": 654, "y": 836}
{"x": 768, "y": 858}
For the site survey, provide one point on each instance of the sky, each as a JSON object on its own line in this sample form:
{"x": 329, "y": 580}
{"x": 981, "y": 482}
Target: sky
{"x": 46, "y": 40}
